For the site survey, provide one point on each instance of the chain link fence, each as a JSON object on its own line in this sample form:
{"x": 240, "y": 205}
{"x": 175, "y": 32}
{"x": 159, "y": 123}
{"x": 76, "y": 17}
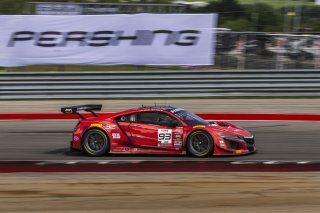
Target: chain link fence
{"x": 252, "y": 50}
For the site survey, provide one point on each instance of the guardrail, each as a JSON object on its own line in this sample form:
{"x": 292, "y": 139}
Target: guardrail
{"x": 155, "y": 84}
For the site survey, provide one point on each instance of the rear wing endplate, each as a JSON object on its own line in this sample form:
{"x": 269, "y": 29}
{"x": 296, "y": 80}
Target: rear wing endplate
{"x": 88, "y": 108}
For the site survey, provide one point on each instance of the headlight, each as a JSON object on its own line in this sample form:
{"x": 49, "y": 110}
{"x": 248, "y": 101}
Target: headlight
{"x": 231, "y": 137}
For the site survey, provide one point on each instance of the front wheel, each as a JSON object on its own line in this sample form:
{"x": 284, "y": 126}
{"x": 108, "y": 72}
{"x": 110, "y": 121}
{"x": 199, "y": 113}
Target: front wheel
{"x": 95, "y": 142}
{"x": 200, "y": 144}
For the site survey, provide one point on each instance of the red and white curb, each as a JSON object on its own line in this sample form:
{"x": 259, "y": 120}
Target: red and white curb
{"x": 159, "y": 166}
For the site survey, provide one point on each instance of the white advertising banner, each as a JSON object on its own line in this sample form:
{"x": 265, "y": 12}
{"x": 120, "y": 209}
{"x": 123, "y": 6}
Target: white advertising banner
{"x": 141, "y": 39}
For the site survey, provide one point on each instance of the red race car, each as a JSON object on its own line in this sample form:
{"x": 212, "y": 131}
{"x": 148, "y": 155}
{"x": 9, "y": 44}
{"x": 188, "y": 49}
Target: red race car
{"x": 156, "y": 130}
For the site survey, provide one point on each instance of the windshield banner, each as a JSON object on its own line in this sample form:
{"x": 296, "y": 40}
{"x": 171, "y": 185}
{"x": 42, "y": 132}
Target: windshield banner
{"x": 141, "y": 39}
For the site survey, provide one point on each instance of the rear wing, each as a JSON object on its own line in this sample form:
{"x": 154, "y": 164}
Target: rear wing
{"x": 88, "y": 108}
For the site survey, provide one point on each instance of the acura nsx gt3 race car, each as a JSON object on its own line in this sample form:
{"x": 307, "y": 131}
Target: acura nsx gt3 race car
{"x": 156, "y": 130}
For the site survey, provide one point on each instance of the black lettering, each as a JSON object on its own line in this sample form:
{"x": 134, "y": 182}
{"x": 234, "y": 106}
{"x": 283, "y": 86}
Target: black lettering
{"x": 171, "y": 38}
{"x": 192, "y": 39}
{"x": 20, "y": 36}
{"x": 104, "y": 40}
{"x": 79, "y": 36}
{"x": 127, "y": 38}
{"x": 119, "y": 37}
{"x": 44, "y": 40}
{"x": 144, "y": 38}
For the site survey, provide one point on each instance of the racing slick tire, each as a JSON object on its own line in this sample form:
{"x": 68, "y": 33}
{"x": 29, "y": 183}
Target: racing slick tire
{"x": 200, "y": 144}
{"x": 95, "y": 142}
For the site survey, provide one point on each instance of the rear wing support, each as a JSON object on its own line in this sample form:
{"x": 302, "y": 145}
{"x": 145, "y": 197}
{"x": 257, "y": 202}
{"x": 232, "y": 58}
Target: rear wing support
{"x": 88, "y": 108}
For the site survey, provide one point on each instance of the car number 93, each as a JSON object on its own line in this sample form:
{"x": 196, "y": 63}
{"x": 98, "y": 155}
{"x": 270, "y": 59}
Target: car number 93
{"x": 165, "y": 136}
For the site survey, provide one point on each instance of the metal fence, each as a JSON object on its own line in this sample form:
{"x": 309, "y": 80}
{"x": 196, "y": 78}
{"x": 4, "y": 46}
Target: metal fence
{"x": 252, "y": 50}
{"x": 158, "y": 84}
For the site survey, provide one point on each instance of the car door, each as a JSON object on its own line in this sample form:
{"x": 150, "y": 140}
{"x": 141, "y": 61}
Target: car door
{"x": 154, "y": 130}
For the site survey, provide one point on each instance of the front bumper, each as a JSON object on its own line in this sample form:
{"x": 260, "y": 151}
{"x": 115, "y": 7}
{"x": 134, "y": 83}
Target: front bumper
{"x": 236, "y": 147}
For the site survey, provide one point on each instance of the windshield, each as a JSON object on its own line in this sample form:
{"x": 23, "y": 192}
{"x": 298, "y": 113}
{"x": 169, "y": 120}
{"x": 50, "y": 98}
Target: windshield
{"x": 190, "y": 118}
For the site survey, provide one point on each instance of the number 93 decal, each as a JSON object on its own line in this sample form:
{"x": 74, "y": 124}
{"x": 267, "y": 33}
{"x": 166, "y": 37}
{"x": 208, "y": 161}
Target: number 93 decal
{"x": 165, "y": 136}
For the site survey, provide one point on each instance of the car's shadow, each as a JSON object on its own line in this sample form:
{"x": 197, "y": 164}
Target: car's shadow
{"x": 66, "y": 152}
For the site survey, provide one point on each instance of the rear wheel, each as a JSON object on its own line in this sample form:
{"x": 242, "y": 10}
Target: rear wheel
{"x": 200, "y": 144}
{"x": 95, "y": 142}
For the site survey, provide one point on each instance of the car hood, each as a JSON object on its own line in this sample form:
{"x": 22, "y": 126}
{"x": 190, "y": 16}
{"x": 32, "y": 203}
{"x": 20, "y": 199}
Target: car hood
{"x": 228, "y": 128}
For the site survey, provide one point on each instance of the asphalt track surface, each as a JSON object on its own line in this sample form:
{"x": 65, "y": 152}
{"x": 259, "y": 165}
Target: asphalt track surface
{"x": 49, "y": 140}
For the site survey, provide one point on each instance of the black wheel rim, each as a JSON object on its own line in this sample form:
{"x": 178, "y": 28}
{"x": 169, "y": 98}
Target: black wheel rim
{"x": 200, "y": 143}
{"x": 96, "y": 142}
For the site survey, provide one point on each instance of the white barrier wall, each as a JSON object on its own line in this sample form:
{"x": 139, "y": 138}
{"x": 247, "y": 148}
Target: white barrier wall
{"x": 141, "y": 39}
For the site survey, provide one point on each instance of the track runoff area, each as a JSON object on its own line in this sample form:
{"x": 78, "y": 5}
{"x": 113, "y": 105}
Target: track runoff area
{"x": 39, "y": 143}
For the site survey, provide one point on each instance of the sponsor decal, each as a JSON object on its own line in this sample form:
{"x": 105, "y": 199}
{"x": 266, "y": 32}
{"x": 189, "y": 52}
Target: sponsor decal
{"x": 177, "y": 144}
{"x": 239, "y": 151}
{"x": 188, "y": 37}
{"x": 96, "y": 125}
{"x": 179, "y": 130}
{"x": 199, "y": 126}
{"x": 126, "y": 149}
{"x": 164, "y": 136}
{"x": 164, "y": 145}
{"x": 176, "y": 110}
{"x": 160, "y": 39}
{"x": 116, "y": 135}
{"x": 58, "y": 9}
{"x": 122, "y": 149}
{"x": 110, "y": 126}
{"x": 178, "y": 136}
{"x": 221, "y": 143}
{"x": 68, "y": 111}
{"x": 75, "y": 138}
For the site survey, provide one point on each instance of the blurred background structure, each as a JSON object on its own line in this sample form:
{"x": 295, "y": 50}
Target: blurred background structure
{"x": 252, "y": 34}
